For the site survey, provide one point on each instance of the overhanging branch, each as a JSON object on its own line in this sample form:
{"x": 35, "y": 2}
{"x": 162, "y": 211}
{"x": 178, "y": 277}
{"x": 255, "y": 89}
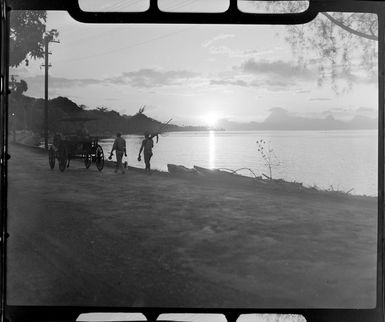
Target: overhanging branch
{"x": 351, "y": 30}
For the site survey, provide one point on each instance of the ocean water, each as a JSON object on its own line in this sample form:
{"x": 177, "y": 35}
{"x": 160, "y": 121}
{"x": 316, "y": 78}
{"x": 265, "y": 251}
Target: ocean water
{"x": 331, "y": 160}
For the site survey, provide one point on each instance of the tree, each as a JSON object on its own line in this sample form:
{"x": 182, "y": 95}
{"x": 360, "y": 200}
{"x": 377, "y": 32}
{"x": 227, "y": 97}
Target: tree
{"x": 141, "y": 109}
{"x": 28, "y": 35}
{"x": 332, "y": 40}
{"x": 19, "y": 87}
{"x": 102, "y": 109}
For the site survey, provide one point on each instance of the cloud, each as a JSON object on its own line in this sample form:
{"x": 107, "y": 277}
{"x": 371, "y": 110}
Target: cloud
{"x": 355, "y": 74}
{"x": 236, "y": 53}
{"x": 148, "y": 78}
{"x": 209, "y": 42}
{"x": 319, "y": 99}
{"x": 339, "y": 109}
{"x": 238, "y": 82}
{"x": 363, "y": 109}
{"x": 61, "y": 82}
{"x": 223, "y": 50}
{"x": 279, "y": 68}
{"x": 257, "y": 52}
{"x": 367, "y": 111}
{"x": 278, "y": 110}
{"x": 236, "y": 77}
{"x": 143, "y": 78}
{"x": 56, "y": 84}
{"x": 289, "y": 70}
{"x": 270, "y": 76}
{"x": 274, "y": 85}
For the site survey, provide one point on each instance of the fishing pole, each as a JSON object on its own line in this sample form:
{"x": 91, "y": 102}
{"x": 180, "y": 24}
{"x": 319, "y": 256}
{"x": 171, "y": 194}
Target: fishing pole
{"x": 160, "y": 130}
{"x": 164, "y": 125}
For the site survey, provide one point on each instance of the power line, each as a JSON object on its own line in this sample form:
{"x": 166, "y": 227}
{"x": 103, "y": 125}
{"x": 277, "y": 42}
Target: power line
{"x": 117, "y": 6}
{"x": 126, "y": 5}
{"x": 126, "y": 47}
{"x": 91, "y": 36}
{"x": 76, "y": 32}
{"x": 120, "y": 5}
{"x": 114, "y": 5}
{"x": 123, "y": 5}
{"x": 178, "y": 5}
{"x": 107, "y": 7}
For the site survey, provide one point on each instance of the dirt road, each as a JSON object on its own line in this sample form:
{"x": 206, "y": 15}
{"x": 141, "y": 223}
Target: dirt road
{"x": 85, "y": 237}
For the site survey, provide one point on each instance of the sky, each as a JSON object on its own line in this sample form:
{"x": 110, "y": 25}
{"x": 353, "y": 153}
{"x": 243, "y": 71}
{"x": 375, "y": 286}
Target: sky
{"x": 194, "y": 74}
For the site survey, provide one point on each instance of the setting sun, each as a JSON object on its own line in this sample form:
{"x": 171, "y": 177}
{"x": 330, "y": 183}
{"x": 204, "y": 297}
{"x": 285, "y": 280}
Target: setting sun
{"x": 211, "y": 119}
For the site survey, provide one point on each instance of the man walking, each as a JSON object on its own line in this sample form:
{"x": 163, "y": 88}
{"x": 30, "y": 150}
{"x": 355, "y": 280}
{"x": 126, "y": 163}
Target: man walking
{"x": 120, "y": 148}
{"x": 146, "y": 147}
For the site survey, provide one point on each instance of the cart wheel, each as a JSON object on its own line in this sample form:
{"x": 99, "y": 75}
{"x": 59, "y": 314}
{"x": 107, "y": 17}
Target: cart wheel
{"x": 87, "y": 160}
{"x": 99, "y": 158}
{"x": 62, "y": 157}
{"x": 51, "y": 157}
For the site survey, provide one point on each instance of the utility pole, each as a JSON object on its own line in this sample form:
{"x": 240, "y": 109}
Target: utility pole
{"x": 46, "y": 66}
{"x": 48, "y": 38}
{"x": 12, "y": 86}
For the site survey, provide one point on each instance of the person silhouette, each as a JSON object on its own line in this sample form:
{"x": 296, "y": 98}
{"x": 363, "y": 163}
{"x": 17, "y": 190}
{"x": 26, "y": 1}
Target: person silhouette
{"x": 120, "y": 147}
{"x": 146, "y": 147}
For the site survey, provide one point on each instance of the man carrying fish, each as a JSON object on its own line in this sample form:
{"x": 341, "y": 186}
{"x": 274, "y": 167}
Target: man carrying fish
{"x": 147, "y": 145}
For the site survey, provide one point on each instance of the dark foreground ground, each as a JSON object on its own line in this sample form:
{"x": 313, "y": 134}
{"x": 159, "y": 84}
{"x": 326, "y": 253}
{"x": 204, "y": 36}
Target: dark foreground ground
{"x": 85, "y": 237}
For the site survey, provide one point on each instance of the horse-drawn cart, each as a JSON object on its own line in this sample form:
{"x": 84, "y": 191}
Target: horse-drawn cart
{"x": 76, "y": 146}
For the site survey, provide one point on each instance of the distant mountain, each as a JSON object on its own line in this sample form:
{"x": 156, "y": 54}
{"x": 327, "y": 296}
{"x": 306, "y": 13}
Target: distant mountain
{"x": 28, "y": 113}
{"x": 363, "y": 122}
{"x": 280, "y": 119}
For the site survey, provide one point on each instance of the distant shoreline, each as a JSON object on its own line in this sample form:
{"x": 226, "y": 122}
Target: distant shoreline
{"x": 243, "y": 131}
{"x": 226, "y": 177}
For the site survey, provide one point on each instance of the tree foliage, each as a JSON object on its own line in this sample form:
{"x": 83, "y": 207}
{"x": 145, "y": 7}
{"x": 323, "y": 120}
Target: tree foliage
{"x": 18, "y": 88}
{"x": 27, "y": 33}
{"x": 336, "y": 50}
{"x": 337, "y": 42}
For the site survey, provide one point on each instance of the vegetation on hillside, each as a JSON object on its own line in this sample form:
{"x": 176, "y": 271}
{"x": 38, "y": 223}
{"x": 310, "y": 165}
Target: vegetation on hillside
{"x": 27, "y": 113}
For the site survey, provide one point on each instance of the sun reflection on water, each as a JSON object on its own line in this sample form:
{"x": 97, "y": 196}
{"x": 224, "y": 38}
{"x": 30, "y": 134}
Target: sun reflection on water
{"x": 211, "y": 149}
